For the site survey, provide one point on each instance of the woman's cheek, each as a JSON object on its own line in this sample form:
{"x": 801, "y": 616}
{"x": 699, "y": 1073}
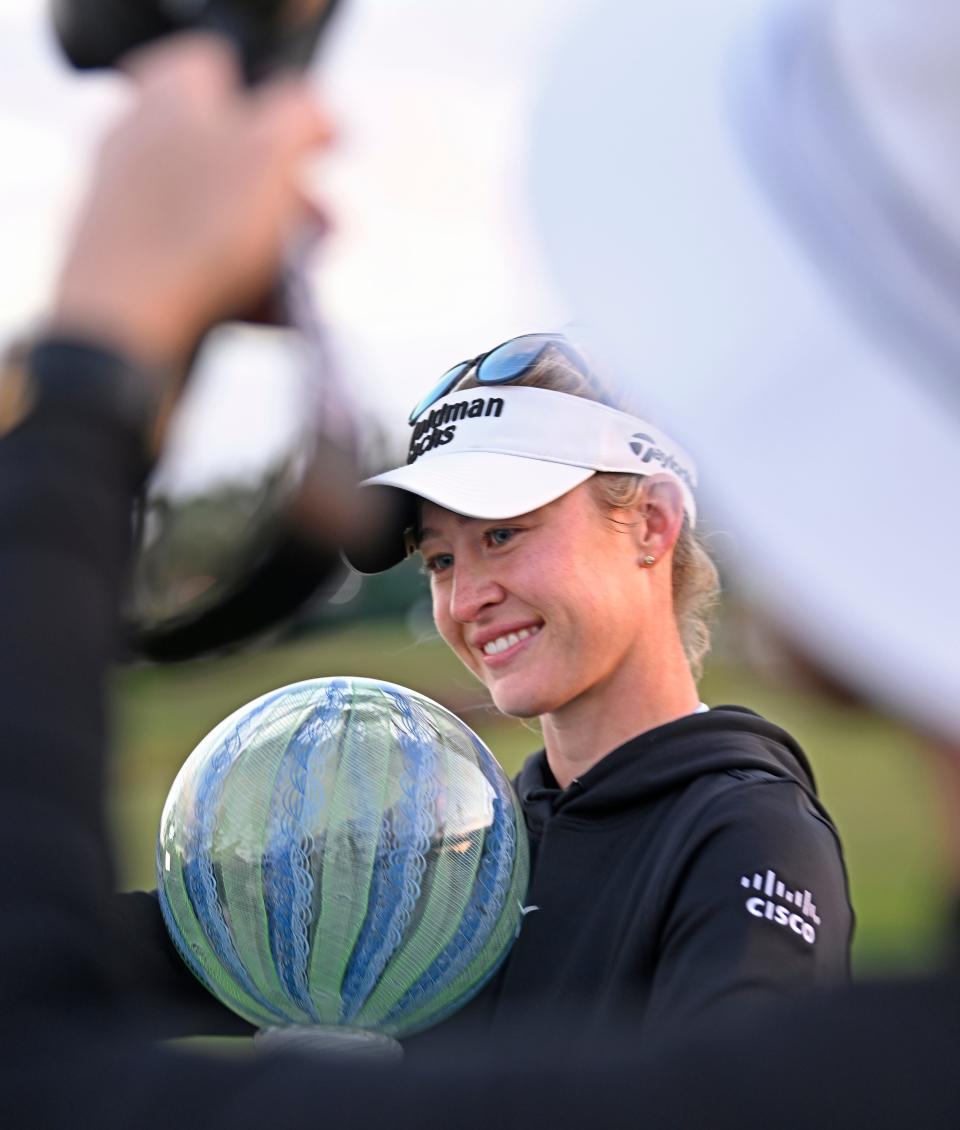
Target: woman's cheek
{"x": 438, "y": 608}
{"x": 451, "y": 634}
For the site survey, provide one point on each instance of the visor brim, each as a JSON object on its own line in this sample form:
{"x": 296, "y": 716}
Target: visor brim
{"x": 476, "y": 484}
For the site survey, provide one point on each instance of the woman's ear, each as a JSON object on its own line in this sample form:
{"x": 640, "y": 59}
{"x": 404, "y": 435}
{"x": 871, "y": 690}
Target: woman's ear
{"x": 660, "y": 519}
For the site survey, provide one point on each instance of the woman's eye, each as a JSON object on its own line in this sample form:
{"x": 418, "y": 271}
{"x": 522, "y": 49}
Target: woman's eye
{"x": 501, "y": 536}
{"x": 438, "y": 562}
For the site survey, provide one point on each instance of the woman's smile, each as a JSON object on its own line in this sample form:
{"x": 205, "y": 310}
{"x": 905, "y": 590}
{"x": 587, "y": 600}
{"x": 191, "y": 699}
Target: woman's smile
{"x": 503, "y": 648}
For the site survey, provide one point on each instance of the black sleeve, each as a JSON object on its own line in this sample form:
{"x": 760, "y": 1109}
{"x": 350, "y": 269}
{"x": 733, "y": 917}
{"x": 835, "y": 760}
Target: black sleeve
{"x": 68, "y": 473}
{"x": 759, "y": 907}
{"x": 67, "y": 477}
{"x": 161, "y": 996}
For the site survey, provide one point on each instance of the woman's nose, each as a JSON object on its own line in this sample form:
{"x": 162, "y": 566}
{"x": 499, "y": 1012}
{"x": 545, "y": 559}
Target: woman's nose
{"x": 473, "y": 589}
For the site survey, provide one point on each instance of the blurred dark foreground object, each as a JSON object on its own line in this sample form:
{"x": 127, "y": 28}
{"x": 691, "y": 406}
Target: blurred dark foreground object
{"x": 270, "y": 34}
{"x": 241, "y": 521}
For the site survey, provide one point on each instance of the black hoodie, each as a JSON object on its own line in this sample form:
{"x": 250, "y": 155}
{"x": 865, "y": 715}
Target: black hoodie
{"x": 690, "y": 869}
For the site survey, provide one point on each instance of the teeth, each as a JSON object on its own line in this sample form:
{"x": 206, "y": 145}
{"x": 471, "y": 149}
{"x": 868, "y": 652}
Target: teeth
{"x": 501, "y": 643}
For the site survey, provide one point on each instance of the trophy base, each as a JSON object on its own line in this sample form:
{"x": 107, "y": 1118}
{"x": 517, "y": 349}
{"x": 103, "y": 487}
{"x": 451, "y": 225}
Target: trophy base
{"x": 330, "y": 1042}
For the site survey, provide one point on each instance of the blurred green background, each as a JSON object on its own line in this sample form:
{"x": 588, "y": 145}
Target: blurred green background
{"x": 870, "y": 775}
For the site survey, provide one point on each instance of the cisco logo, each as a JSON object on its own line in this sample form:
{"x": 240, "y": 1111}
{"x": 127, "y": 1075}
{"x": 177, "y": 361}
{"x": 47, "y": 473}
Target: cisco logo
{"x": 799, "y": 915}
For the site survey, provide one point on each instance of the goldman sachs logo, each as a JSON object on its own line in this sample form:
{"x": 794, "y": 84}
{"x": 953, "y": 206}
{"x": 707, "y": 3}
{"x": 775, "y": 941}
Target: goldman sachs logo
{"x": 800, "y": 913}
{"x": 437, "y": 428}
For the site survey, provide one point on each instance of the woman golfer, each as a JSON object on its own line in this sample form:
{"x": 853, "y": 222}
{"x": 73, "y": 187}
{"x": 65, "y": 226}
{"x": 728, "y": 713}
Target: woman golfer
{"x": 682, "y": 863}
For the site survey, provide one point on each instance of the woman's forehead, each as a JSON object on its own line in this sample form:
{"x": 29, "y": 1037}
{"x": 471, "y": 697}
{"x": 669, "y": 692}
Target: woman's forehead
{"x": 437, "y": 521}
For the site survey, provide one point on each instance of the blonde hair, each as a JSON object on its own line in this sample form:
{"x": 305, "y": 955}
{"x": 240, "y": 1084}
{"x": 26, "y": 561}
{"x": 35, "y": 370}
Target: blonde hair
{"x": 695, "y": 580}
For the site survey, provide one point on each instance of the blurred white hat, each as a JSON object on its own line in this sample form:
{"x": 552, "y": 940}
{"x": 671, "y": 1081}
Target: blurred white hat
{"x": 756, "y": 207}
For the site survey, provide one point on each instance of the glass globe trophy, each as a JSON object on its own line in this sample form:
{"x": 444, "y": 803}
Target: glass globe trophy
{"x": 342, "y": 861}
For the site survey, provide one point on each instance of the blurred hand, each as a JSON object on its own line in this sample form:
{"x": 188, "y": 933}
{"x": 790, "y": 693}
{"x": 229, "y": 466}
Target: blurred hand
{"x": 193, "y": 195}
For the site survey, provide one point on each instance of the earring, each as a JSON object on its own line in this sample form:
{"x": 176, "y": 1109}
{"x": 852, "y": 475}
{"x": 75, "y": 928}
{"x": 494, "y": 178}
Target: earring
{"x": 648, "y": 561}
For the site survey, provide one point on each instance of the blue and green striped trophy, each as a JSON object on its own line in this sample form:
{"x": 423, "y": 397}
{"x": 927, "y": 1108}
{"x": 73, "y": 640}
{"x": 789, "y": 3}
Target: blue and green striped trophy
{"x": 342, "y": 857}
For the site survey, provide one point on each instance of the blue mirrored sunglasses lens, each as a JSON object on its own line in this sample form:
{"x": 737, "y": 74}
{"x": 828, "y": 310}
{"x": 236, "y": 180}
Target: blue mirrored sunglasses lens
{"x": 510, "y": 360}
{"x": 440, "y": 389}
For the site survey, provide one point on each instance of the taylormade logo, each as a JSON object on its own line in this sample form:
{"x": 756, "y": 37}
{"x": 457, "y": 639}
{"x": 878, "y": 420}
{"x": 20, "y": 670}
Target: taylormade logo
{"x": 646, "y": 447}
{"x": 440, "y": 426}
{"x": 800, "y": 915}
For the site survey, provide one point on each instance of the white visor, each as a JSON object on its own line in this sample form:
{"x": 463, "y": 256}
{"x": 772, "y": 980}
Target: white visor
{"x": 499, "y": 451}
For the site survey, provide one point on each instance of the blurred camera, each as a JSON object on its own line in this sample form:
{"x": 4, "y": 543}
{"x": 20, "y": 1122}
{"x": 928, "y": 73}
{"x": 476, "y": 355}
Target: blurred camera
{"x": 241, "y": 520}
{"x": 270, "y": 34}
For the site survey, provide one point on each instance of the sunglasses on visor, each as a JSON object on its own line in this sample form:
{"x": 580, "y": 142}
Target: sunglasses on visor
{"x": 507, "y": 362}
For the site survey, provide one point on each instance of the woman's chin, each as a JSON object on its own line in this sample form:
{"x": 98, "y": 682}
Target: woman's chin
{"x": 518, "y": 702}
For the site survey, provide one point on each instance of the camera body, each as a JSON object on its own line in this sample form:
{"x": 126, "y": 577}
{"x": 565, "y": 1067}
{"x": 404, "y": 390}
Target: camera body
{"x": 270, "y": 34}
